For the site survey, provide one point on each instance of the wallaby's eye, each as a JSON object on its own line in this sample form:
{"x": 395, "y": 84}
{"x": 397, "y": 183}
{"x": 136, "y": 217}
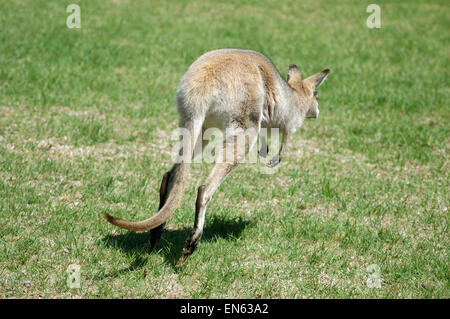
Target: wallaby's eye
{"x": 316, "y": 95}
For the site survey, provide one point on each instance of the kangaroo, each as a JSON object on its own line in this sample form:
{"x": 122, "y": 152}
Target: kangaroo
{"x": 238, "y": 91}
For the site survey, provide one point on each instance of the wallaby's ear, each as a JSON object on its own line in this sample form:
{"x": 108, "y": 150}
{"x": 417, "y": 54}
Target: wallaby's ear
{"x": 317, "y": 79}
{"x": 293, "y": 74}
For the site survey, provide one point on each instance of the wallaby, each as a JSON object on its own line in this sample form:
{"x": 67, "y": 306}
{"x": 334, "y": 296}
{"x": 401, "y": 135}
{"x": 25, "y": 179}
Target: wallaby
{"x": 237, "y": 91}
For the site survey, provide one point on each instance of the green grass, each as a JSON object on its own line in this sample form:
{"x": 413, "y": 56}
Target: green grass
{"x": 85, "y": 120}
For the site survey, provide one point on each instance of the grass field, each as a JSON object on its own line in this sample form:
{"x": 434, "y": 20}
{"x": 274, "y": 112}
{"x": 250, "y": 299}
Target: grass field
{"x": 85, "y": 120}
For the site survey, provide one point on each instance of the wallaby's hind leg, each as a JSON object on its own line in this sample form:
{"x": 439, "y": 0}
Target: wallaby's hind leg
{"x": 205, "y": 192}
{"x": 155, "y": 234}
{"x": 197, "y": 232}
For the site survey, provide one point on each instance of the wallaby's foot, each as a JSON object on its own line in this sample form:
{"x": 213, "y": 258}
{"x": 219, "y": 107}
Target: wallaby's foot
{"x": 183, "y": 257}
{"x": 274, "y": 161}
{"x": 197, "y": 231}
{"x": 192, "y": 243}
{"x": 181, "y": 261}
{"x": 155, "y": 234}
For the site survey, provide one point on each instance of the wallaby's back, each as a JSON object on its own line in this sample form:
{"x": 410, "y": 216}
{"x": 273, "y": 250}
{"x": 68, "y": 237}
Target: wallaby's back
{"x": 227, "y": 80}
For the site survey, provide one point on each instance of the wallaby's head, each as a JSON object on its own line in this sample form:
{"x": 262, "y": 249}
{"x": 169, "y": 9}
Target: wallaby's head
{"x": 306, "y": 89}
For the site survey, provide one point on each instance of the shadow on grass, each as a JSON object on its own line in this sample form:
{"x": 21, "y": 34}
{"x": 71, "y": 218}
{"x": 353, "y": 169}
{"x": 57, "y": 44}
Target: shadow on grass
{"x": 172, "y": 241}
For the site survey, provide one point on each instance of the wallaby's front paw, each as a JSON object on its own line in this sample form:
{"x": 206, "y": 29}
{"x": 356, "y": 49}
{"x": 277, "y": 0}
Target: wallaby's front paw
{"x": 274, "y": 161}
{"x": 264, "y": 151}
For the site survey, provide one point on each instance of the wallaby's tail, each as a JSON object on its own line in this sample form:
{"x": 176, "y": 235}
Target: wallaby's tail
{"x": 178, "y": 177}
{"x": 179, "y": 174}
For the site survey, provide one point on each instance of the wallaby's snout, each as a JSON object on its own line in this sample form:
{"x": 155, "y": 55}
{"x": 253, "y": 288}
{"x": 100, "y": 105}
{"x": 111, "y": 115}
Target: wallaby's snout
{"x": 313, "y": 113}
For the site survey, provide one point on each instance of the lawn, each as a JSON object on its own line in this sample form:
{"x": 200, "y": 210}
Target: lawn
{"x": 86, "y": 117}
